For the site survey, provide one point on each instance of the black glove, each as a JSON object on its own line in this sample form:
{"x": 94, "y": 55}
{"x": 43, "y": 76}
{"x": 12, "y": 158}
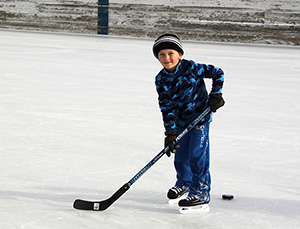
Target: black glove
{"x": 170, "y": 141}
{"x": 215, "y": 101}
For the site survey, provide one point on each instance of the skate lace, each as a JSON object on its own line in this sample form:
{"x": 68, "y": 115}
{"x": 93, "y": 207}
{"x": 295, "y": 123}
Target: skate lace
{"x": 176, "y": 189}
{"x": 190, "y": 198}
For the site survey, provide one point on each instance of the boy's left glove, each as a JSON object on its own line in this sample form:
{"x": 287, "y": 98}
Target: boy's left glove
{"x": 170, "y": 141}
{"x": 215, "y": 101}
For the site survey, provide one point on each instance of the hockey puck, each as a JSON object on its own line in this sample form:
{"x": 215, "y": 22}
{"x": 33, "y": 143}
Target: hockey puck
{"x": 227, "y": 197}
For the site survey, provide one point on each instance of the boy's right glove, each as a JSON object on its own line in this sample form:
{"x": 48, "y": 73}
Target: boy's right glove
{"x": 215, "y": 101}
{"x": 170, "y": 141}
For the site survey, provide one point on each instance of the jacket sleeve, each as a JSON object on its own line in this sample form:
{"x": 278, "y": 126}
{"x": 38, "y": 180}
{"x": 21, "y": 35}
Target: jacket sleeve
{"x": 214, "y": 73}
{"x": 166, "y": 106}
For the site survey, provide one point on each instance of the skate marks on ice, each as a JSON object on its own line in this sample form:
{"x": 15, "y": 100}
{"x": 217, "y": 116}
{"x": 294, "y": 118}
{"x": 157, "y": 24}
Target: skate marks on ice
{"x": 62, "y": 124}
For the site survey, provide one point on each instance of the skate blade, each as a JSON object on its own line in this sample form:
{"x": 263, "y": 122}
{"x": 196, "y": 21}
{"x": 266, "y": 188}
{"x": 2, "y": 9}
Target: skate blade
{"x": 175, "y": 201}
{"x": 203, "y": 208}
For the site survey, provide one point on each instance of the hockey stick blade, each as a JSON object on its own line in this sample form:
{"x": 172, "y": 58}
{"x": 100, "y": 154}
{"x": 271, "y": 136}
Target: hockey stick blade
{"x": 100, "y": 205}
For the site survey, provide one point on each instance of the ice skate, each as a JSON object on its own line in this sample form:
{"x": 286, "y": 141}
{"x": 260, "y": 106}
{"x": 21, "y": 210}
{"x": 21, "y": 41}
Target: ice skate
{"x": 175, "y": 194}
{"x": 192, "y": 204}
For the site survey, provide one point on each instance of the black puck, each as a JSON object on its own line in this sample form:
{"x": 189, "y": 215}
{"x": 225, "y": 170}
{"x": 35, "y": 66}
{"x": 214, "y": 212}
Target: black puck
{"x": 227, "y": 197}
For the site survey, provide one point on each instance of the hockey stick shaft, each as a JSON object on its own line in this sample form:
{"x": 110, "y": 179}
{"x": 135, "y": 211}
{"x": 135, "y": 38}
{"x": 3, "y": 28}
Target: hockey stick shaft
{"x": 166, "y": 149}
{"x": 103, "y": 205}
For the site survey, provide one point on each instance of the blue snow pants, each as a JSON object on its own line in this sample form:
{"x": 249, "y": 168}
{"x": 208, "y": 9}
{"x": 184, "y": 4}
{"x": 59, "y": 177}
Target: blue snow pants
{"x": 192, "y": 162}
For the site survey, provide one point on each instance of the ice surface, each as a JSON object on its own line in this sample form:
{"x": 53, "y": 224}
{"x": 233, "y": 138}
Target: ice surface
{"x": 79, "y": 117}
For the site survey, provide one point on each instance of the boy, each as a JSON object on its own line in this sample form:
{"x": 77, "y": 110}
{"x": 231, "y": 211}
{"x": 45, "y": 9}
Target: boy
{"x": 182, "y": 96}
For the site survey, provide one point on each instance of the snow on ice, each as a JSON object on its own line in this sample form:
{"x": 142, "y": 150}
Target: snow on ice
{"x": 79, "y": 117}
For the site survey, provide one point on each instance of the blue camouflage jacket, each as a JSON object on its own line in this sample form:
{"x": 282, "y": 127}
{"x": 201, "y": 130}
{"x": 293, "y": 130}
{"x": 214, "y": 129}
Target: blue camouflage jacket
{"x": 182, "y": 94}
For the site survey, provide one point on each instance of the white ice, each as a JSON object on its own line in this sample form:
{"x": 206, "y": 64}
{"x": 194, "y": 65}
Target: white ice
{"x": 79, "y": 118}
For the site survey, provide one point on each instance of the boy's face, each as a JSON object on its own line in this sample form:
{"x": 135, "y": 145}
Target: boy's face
{"x": 169, "y": 58}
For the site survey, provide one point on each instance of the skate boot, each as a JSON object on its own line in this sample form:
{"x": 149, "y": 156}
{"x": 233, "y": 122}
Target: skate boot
{"x": 194, "y": 204}
{"x": 175, "y": 194}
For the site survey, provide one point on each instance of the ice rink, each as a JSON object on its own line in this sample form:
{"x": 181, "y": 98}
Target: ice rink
{"x": 79, "y": 117}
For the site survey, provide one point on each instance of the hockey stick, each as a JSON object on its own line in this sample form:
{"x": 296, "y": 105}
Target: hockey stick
{"x": 104, "y": 204}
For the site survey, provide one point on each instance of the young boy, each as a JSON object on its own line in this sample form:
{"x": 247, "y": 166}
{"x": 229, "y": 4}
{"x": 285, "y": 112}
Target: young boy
{"x": 182, "y": 97}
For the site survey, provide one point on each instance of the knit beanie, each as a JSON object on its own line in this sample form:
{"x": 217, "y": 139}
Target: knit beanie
{"x": 167, "y": 41}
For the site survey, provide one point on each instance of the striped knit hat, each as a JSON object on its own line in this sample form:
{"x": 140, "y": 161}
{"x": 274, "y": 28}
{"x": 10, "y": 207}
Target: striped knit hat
{"x": 167, "y": 41}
